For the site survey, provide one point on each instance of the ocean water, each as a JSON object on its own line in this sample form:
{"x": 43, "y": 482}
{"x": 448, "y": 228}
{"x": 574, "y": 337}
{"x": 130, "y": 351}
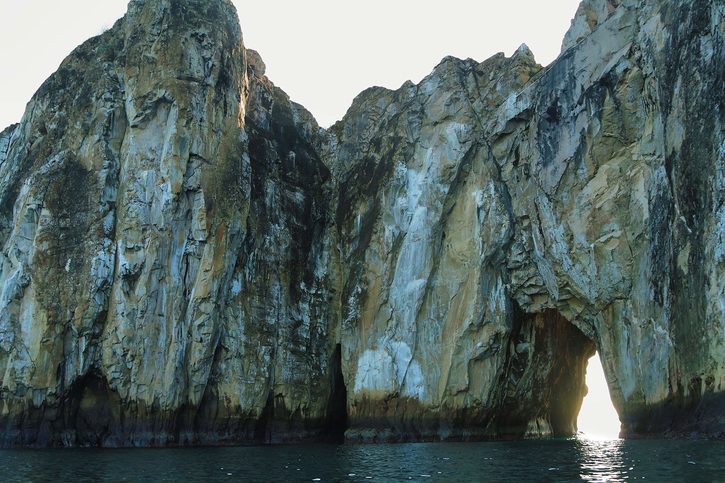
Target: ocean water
{"x": 552, "y": 460}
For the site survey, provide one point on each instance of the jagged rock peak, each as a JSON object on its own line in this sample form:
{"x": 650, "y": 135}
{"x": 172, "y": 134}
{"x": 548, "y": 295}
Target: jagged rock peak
{"x": 590, "y": 15}
{"x": 452, "y": 70}
{"x": 255, "y": 63}
{"x": 153, "y": 16}
{"x": 524, "y": 51}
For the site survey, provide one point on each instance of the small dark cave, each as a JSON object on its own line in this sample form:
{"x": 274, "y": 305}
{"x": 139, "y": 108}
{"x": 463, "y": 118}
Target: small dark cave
{"x": 263, "y": 426}
{"x": 90, "y": 411}
{"x": 336, "y": 423}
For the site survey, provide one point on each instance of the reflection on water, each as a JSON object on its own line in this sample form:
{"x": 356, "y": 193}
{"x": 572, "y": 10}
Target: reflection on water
{"x": 602, "y": 460}
{"x": 554, "y": 460}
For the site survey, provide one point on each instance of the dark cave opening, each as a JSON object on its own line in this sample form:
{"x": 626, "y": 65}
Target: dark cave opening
{"x": 571, "y": 351}
{"x": 90, "y": 410}
{"x": 546, "y": 376}
{"x": 263, "y": 426}
{"x": 276, "y": 423}
{"x": 337, "y": 422}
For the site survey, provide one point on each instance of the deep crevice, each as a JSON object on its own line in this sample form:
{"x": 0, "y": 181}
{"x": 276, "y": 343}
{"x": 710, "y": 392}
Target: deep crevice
{"x": 262, "y": 429}
{"x": 336, "y": 423}
{"x": 568, "y": 377}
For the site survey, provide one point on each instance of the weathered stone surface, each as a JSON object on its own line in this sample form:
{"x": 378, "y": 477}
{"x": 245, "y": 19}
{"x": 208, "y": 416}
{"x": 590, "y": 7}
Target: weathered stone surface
{"x": 162, "y": 222}
{"x": 589, "y": 188}
{"x": 589, "y": 16}
{"x": 187, "y": 258}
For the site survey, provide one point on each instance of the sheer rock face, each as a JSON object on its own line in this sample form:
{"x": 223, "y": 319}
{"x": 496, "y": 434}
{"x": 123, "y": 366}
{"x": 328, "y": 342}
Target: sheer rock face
{"x": 187, "y": 258}
{"x": 162, "y": 245}
{"x": 590, "y": 188}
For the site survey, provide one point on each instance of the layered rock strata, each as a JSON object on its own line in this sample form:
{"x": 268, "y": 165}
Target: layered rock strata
{"x": 188, "y": 258}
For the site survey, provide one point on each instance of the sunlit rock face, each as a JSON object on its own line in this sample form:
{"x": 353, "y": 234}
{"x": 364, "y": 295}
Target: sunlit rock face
{"x": 187, "y": 258}
{"x": 591, "y": 188}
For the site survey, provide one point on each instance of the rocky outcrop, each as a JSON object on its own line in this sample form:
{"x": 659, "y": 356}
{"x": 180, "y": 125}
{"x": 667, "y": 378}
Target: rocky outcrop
{"x": 187, "y": 258}
{"x": 587, "y": 190}
{"x": 162, "y": 222}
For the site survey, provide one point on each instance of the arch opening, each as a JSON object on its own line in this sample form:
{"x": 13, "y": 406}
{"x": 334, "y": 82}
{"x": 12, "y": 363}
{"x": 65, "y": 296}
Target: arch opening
{"x": 598, "y": 419}
{"x": 546, "y": 379}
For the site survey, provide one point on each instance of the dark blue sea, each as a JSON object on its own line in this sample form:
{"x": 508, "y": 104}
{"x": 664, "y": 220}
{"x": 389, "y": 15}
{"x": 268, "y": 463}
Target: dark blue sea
{"x": 551, "y": 460}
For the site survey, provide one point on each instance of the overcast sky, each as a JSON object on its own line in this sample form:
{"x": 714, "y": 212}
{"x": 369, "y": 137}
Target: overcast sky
{"x": 321, "y": 52}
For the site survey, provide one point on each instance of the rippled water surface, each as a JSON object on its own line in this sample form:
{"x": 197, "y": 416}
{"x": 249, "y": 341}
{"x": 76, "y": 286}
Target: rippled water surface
{"x": 570, "y": 460}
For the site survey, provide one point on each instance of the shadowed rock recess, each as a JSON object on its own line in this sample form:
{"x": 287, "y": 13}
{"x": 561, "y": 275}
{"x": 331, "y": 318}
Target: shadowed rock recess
{"x": 188, "y": 258}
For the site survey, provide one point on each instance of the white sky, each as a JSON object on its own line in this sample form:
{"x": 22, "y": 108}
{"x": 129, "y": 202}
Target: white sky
{"x": 321, "y": 52}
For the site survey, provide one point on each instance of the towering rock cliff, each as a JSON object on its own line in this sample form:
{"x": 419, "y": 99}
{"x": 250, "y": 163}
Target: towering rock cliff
{"x": 508, "y": 199}
{"x": 162, "y": 222}
{"x": 187, "y": 258}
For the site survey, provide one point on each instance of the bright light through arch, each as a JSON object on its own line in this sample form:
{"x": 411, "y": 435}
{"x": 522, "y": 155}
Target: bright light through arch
{"x": 598, "y": 419}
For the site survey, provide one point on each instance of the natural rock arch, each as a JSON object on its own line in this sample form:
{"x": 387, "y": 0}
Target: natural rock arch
{"x": 558, "y": 354}
{"x": 181, "y": 237}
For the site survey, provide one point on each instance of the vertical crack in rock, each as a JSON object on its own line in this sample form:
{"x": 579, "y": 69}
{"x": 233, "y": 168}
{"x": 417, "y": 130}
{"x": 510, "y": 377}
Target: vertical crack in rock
{"x": 337, "y": 406}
